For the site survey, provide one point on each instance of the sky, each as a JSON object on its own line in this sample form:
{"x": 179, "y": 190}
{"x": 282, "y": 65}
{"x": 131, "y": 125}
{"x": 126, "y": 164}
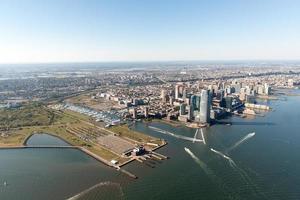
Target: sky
{"x": 41, "y": 31}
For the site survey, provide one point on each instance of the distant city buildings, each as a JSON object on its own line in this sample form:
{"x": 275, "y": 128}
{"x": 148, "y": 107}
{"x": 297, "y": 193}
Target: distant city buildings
{"x": 196, "y": 97}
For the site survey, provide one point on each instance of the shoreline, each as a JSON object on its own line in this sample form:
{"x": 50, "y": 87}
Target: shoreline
{"x": 70, "y": 146}
{"x": 86, "y": 151}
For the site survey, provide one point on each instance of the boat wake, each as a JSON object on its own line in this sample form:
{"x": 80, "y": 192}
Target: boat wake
{"x": 98, "y": 189}
{"x": 175, "y": 135}
{"x": 199, "y": 162}
{"x": 231, "y": 162}
{"x": 241, "y": 141}
{"x": 212, "y": 176}
{"x": 247, "y": 180}
{"x": 203, "y": 138}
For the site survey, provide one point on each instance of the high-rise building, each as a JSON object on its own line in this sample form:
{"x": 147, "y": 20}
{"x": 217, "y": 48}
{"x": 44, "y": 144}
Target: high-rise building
{"x": 179, "y": 90}
{"x": 291, "y": 83}
{"x": 182, "y": 109}
{"x": 184, "y": 94}
{"x": 190, "y": 113}
{"x": 195, "y": 102}
{"x": 228, "y": 103}
{"x": 146, "y": 112}
{"x": 237, "y": 87}
{"x": 260, "y": 89}
{"x": 164, "y": 96}
{"x": 267, "y": 89}
{"x": 229, "y": 90}
{"x": 163, "y": 93}
{"x": 176, "y": 91}
{"x": 134, "y": 113}
{"x": 205, "y": 106}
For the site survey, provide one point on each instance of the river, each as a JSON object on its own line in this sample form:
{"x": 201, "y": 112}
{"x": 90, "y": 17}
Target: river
{"x": 251, "y": 159}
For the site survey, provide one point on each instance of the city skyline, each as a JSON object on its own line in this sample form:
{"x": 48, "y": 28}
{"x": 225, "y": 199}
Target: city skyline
{"x": 114, "y": 31}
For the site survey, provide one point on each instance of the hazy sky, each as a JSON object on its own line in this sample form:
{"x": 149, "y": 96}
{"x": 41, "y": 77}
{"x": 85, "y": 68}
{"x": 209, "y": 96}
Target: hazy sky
{"x": 148, "y": 30}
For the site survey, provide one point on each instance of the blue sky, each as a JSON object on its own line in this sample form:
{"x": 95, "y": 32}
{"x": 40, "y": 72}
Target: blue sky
{"x": 148, "y": 30}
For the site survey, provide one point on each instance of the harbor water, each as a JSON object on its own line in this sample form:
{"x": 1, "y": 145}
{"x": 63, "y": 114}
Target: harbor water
{"x": 253, "y": 158}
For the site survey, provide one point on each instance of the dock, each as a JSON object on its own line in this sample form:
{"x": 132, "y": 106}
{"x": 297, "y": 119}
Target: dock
{"x": 159, "y": 155}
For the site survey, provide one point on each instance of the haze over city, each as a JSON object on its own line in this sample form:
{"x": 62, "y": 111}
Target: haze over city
{"x": 35, "y": 31}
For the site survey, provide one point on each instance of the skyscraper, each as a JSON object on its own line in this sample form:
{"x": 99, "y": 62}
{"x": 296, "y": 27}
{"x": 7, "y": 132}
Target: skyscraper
{"x": 176, "y": 91}
{"x": 184, "y": 94}
{"x": 179, "y": 90}
{"x": 267, "y": 89}
{"x": 190, "y": 112}
{"x": 205, "y": 107}
{"x": 195, "y": 102}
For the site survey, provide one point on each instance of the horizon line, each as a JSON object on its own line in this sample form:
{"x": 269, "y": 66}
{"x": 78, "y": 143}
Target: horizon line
{"x": 152, "y": 61}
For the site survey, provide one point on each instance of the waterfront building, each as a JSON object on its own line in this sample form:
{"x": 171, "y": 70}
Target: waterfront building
{"x": 205, "y": 105}
{"x": 183, "y": 118}
{"x": 134, "y": 113}
{"x": 250, "y": 99}
{"x": 228, "y": 103}
{"x": 195, "y": 102}
{"x": 267, "y": 89}
{"x": 146, "y": 112}
{"x": 290, "y": 82}
{"x": 182, "y": 109}
{"x": 260, "y": 89}
{"x": 190, "y": 112}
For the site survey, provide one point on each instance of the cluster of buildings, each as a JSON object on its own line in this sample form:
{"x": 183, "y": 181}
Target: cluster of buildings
{"x": 195, "y": 103}
{"x": 200, "y": 102}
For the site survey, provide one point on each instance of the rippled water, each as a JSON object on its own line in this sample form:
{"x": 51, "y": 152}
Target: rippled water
{"x": 49, "y": 174}
{"x": 264, "y": 166}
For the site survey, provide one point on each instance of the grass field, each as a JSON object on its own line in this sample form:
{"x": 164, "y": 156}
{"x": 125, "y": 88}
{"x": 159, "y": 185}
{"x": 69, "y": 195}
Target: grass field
{"x": 19, "y": 124}
{"x": 28, "y": 115}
